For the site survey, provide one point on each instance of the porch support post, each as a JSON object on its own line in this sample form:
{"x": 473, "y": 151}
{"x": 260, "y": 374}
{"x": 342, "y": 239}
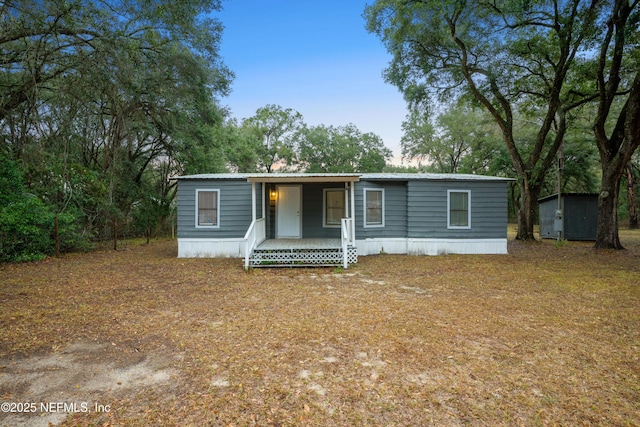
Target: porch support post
{"x": 346, "y": 200}
{"x": 353, "y": 212}
{"x": 264, "y": 208}
{"x": 253, "y": 201}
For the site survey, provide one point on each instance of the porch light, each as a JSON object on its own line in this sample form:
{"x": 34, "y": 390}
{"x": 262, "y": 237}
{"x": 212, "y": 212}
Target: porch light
{"x": 273, "y": 195}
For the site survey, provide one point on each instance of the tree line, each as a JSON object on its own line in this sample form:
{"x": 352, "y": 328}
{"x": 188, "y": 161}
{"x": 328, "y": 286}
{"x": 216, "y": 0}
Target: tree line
{"x": 102, "y": 102}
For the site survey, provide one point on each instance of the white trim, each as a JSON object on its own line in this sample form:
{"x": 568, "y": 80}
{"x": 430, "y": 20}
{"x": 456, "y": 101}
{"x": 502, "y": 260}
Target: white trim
{"x": 352, "y": 211}
{"x": 254, "y": 214}
{"x": 324, "y": 206}
{"x": 215, "y": 190}
{"x": 416, "y": 246}
{"x": 459, "y": 227}
{"x": 211, "y": 248}
{"x": 364, "y": 207}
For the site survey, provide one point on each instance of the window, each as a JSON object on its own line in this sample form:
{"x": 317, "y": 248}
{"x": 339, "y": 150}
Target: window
{"x": 207, "y": 211}
{"x": 374, "y": 207}
{"x": 333, "y": 207}
{"x": 458, "y": 207}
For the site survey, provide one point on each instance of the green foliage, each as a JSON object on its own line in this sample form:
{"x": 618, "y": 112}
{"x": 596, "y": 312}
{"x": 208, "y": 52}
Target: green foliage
{"x": 269, "y": 135}
{"x": 10, "y": 180}
{"x": 463, "y": 139}
{"x": 103, "y": 102}
{"x": 70, "y": 236}
{"x": 26, "y": 226}
{"x": 277, "y": 138}
{"x": 342, "y": 149}
{"x": 27, "y": 223}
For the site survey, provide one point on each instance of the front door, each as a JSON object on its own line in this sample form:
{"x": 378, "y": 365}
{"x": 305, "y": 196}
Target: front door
{"x": 288, "y": 210}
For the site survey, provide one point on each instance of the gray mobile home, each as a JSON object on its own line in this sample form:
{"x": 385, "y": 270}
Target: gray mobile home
{"x": 331, "y": 219}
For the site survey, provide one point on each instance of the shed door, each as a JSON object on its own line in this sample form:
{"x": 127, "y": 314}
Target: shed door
{"x": 288, "y": 210}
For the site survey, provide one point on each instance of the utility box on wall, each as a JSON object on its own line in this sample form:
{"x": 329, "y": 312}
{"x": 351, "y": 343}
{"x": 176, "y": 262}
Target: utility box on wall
{"x": 558, "y": 223}
{"x": 577, "y": 217}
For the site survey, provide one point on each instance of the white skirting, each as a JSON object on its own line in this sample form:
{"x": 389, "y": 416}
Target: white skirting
{"x": 413, "y": 246}
{"x": 211, "y": 248}
{"x": 234, "y": 248}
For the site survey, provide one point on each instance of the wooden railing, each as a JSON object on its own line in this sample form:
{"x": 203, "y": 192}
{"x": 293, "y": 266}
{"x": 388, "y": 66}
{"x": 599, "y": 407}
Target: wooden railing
{"x": 348, "y": 239}
{"x": 253, "y": 237}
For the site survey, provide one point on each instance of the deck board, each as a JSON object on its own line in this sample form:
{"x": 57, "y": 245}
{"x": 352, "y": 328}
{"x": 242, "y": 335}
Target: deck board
{"x": 273, "y": 244}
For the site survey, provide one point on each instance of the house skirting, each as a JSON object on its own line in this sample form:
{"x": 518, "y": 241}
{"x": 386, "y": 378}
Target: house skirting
{"x": 211, "y": 248}
{"x": 234, "y": 247}
{"x": 414, "y": 246}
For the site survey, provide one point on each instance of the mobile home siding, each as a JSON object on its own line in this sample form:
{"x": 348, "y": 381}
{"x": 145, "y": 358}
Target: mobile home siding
{"x": 395, "y": 210}
{"x": 234, "y": 205}
{"x": 312, "y": 210}
{"x": 427, "y": 209}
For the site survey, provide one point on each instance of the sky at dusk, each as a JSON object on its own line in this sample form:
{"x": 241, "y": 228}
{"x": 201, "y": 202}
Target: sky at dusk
{"x": 315, "y": 57}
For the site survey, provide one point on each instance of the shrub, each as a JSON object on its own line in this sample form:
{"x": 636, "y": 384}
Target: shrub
{"x": 26, "y": 227}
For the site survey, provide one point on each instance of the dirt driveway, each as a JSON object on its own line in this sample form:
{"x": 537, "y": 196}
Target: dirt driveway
{"x": 546, "y": 335}
{"x": 81, "y": 378}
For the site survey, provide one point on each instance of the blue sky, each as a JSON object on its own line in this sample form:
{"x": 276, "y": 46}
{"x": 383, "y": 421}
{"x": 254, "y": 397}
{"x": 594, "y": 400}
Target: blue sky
{"x": 313, "y": 56}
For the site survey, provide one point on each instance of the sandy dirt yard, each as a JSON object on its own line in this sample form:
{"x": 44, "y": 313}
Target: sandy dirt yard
{"x": 76, "y": 379}
{"x": 546, "y": 335}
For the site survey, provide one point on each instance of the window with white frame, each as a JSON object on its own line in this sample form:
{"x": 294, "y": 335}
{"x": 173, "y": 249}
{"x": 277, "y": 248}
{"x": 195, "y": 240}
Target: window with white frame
{"x": 207, "y": 208}
{"x": 458, "y": 207}
{"x": 333, "y": 209}
{"x": 374, "y": 207}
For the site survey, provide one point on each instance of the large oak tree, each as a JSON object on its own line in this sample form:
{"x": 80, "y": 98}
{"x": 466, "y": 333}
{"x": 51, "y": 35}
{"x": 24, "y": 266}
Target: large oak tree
{"x": 617, "y": 132}
{"x": 509, "y": 56}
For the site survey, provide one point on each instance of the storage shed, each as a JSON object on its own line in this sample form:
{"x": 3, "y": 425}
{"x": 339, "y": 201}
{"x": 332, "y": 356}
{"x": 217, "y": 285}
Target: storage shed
{"x": 579, "y": 218}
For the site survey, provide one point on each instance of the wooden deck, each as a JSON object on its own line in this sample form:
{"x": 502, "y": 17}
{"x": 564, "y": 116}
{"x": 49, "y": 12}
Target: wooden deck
{"x": 277, "y": 244}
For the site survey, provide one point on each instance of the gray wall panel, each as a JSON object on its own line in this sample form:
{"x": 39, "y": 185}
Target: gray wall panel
{"x": 427, "y": 209}
{"x": 235, "y": 208}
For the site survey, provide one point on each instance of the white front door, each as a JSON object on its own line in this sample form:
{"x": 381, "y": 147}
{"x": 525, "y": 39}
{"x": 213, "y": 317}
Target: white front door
{"x": 288, "y": 211}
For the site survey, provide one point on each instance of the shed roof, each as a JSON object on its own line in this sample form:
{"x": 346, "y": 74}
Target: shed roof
{"x": 555, "y": 196}
{"x": 341, "y": 177}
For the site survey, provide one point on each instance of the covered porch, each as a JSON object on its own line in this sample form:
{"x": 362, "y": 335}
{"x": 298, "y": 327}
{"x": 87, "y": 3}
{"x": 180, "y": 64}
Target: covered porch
{"x": 301, "y": 220}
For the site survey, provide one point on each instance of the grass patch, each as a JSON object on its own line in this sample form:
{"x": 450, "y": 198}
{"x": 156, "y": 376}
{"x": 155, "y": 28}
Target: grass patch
{"x": 545, "y": 335}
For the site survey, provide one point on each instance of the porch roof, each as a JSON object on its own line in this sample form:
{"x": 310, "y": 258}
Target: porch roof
{"x": 303, "y": 177}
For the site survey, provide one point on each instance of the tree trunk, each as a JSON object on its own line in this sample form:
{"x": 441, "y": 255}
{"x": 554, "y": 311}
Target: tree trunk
{"x": 56, "y": 235}
{"x": 115, "y": 234}
{"x": 148, "y": 227}
{"x": 631, "y": 196}
{"x": 615, "y": 155}
{"x": 607, "y": 231}
{"x": 527, "y": 210}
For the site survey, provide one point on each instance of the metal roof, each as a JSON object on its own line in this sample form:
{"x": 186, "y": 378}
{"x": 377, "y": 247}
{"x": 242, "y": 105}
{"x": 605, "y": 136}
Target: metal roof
{"x": 341, "y": 177}
{"x": 555, "y": 196}
{"x": 429, "y": 177}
